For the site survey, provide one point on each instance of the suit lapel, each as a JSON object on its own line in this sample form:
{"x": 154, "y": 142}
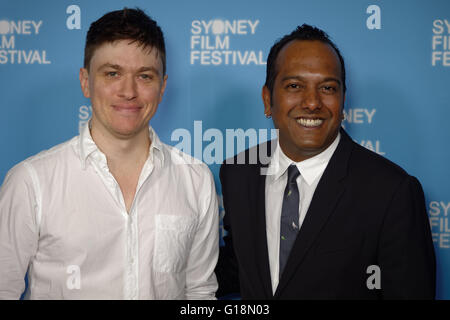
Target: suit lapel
{"x": 326, "y": 196}
{"x": 258, "y": 198}
{"x": 262, "y": 255}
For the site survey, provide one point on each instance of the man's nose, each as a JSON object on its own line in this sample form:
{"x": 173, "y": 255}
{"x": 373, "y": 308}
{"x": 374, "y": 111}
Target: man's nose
{"x": 311, "y": 99}
{"x": 128, "y": 88}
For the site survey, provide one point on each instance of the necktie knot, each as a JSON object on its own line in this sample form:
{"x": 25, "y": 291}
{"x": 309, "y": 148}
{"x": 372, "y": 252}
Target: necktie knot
{"x": 293, "y": 173}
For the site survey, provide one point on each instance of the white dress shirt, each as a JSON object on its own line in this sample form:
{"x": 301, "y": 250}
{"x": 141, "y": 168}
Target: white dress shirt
{"x": 63, "y": 218}
{"x": 311, "y": 171}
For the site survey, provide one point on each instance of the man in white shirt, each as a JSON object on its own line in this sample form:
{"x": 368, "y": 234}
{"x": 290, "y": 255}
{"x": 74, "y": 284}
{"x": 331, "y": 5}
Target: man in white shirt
{"x": 324, "y": 218}
{"x": 113, "y": 213}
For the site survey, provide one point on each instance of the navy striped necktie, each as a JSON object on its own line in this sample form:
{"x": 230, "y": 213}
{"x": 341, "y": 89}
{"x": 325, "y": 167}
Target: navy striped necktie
{"x": 289, "y": 216}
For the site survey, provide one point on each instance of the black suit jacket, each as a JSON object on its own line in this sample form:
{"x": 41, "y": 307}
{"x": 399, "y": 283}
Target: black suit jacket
{"x": 366, "y": 211}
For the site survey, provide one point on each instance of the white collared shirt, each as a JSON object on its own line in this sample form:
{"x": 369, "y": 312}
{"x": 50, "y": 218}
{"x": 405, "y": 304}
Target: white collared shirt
{"x": 63, "y": 218}
{"x": 311, "y": 171}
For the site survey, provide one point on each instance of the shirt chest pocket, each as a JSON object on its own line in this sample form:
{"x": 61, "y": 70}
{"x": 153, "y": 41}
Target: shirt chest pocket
{"x": 173, "y": 238}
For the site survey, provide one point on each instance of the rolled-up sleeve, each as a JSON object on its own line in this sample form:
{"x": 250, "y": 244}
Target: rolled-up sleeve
{"x": 201, "y": 282}
{"x": 18, "y": 230}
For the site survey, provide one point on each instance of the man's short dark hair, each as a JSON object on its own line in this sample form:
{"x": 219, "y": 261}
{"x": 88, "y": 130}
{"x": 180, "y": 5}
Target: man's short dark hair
{"x": 126, "y": 24}
{"x": 304, "y": 32}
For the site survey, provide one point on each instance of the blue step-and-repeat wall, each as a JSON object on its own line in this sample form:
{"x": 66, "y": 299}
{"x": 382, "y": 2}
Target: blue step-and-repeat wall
{"x": 397, "y": 56}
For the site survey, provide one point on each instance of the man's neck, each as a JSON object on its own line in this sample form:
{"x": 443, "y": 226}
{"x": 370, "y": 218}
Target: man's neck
{"x": 125, "y": 158}
{"x": 122, "y": 152}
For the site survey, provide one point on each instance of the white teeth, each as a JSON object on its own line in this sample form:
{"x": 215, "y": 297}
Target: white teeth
{"x": 309, "y": 122}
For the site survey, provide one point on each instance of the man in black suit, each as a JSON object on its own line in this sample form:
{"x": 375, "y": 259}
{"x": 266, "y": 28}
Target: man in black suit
{"x": 324, "y": 218}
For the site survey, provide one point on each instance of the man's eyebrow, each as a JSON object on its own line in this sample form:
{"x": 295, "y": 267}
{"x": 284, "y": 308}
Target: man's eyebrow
{"x": 285, "y": 78}
{"x": 110, "y": 65}
{"x": 303, "y": 79}
{"x": 332, "y": 79}
{"x": 152, "y": 69}
{"x": 118, "y": 67}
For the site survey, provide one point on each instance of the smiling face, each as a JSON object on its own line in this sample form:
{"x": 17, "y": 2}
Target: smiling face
{"x": 125, "y": 83}
{"x": 307, "y": 100}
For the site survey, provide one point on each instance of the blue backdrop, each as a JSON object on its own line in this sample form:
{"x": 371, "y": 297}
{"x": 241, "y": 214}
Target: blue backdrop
{"x": 397, "y": 55}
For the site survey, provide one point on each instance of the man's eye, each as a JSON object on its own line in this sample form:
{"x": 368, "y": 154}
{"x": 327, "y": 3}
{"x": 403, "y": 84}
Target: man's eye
{"x": 329, "y": 89}
{"x": 112, "y": 74}
{"x": 145, "y": 76}
{"x": 293, "y": 86}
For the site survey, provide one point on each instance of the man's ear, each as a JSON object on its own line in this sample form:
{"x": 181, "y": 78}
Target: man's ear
{"x": 343, "y": 106}
{"x": 163, "y": 88}
{"x": 84, "y": 82}
{"x": 267, "y": 99}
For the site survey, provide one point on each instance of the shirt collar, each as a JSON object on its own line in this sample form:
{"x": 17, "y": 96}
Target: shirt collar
{"x": 310, "y": 168}
{"x": 87, "y": 146}
{"x": 155, "y": 145}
